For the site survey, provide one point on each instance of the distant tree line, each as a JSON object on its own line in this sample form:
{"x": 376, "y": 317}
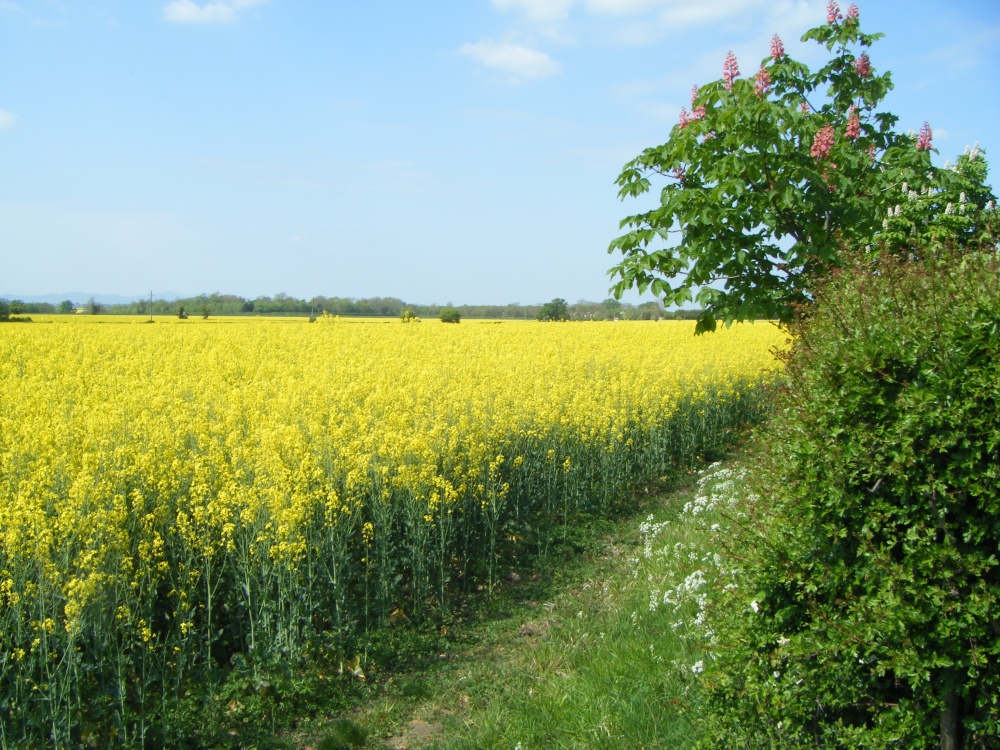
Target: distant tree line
{"x": 373, "y": 307}
{"x": 19, "y": 307}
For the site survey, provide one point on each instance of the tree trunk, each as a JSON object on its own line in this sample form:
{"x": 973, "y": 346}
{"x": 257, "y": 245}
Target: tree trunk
{"x": 951, "y": 713}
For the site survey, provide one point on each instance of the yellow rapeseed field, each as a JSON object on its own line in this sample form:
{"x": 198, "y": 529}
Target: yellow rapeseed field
{"x": 179, "y": 495}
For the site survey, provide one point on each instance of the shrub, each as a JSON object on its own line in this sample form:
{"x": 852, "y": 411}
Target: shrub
{"x": 865, "y": 610}
{"x": 450, "y": 315}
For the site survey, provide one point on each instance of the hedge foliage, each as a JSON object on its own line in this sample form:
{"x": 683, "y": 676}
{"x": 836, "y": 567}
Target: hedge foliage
{"x": 866, "y": 605}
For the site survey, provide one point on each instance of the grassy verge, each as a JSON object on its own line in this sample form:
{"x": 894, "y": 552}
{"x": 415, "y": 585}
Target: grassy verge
{"x": 572, "y": 656}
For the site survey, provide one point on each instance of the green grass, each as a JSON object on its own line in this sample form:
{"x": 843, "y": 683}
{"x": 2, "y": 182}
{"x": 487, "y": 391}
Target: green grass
{"x": 570, "y": 656}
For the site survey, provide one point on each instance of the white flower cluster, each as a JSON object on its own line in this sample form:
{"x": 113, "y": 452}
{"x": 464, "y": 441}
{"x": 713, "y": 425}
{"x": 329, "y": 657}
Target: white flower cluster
{"x": 686, "y": 570}
{"x": 650, "y": 531}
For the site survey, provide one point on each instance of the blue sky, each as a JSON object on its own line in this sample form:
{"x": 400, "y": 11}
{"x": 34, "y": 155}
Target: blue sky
{"x": 460, "y": 151}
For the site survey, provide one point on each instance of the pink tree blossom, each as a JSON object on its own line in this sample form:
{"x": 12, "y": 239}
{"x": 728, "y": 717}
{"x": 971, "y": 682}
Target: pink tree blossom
{"x": 762, "y": 82}
{"x": 730, "y": 70}
{"x": 777, "y": 48}
{"x": 863, "y": 66}
{"x": 833, "y": 12}
{"x": 852, "y": 12}
{"x": 823, "y": 142}
{"x": 696, "y": 113}
{"x": 853, "y": 130}
{"x": 924, "y": 139}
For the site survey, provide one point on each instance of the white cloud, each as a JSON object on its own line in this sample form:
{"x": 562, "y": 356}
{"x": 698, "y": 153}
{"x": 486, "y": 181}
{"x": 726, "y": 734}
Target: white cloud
{"x": 540, "y": 10}
{"x": 553, "y": 10}
{"x": 516, "y": 59}
{"x": 680, "y": 11}
{"x": 692, "y": 12}
{"x": 7, "y": 119}
{"x": 627, "y": 7}
{"x": 7, "y": 5}
{"x": 640, "y": 22}
{"x": 975, "y": 50}
{"x": 661, "y": 112}
{"x": 216, "y": 11}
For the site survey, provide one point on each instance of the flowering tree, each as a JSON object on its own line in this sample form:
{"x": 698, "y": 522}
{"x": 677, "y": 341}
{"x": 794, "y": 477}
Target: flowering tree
{"x": 768, "y": 177}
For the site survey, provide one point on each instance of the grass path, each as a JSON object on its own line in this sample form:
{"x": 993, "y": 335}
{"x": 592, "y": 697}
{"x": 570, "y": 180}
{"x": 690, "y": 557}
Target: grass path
{"x": 570, "y": 658}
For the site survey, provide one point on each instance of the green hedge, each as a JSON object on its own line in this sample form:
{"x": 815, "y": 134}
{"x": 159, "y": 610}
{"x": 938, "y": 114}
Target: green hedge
{"x": 865, "y": 611}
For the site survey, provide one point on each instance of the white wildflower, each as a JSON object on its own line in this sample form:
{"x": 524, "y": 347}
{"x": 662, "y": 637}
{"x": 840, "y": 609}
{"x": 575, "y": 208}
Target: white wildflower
{"x": 698, "y": 667}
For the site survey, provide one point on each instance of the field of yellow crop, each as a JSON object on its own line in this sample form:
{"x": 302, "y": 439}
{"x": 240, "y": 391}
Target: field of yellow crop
{"x": 190, "y": 495}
